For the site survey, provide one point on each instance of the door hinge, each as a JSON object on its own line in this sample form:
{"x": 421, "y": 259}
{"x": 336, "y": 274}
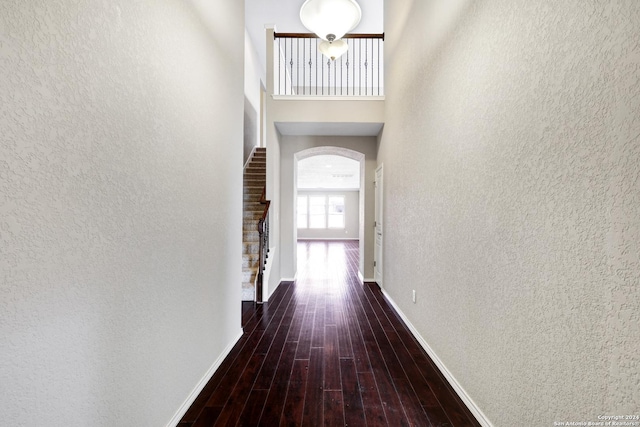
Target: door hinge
{"x": 374, "y": 263}
{"x": 375, "y": 224}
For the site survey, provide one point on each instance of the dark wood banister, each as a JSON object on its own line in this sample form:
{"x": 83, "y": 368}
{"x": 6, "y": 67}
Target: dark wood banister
{"x": 265, "y": 202}
{"x": 314, "y": 36}
{"x": 263, "y": 250}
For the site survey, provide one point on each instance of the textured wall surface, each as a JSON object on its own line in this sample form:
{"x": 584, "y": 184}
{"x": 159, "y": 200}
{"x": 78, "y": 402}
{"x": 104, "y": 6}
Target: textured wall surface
{"x": 120, "y": 206}
{"x": 511, "y": 153}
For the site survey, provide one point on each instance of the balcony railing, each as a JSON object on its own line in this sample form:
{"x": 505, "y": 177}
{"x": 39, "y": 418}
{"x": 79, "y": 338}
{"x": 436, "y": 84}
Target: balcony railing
{"x": 300, "y": 69}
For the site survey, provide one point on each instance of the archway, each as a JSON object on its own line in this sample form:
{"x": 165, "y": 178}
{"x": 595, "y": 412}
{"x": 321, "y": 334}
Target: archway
{"x": 343, "y": 152}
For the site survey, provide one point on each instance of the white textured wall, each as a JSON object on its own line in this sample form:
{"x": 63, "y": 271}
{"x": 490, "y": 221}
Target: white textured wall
{"x": 254, "y": 77}
{"x": 120, "y": 206}
{"x": 511, "y": 153}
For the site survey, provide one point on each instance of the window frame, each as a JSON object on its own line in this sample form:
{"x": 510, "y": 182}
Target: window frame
{"x": 326, "y": 211}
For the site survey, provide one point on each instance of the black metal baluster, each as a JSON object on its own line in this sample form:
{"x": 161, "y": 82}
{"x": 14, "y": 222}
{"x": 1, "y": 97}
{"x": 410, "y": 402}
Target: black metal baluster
{"x": 360, "y": 67}
{"x": 298, "y": 67}
{"x": 310, "y": 65}
{"x": 291, "y": 64}
{"x": 366, "y": 65}
{"x": 341, "y": 76}
{"x": 378, "y": 67}
{"x": 335, "y": 78}
{"x": 329, "y": 77}
{"x": 348, "y": 66}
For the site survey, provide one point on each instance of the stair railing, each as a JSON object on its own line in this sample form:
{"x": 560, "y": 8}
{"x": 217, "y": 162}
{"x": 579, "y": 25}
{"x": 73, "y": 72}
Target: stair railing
{"x": 263, "y": 232}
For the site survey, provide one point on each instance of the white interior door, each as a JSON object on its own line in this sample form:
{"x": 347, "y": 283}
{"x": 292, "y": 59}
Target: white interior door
{"x": 377, "y": 250}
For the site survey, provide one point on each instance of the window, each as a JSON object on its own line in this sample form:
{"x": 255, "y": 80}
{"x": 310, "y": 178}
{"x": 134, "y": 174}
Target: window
{"x": 335, "y": 218}
{"x": 317, "y": 212}
{"x": 321, "y": 211}
{"x": 302, "y": 212}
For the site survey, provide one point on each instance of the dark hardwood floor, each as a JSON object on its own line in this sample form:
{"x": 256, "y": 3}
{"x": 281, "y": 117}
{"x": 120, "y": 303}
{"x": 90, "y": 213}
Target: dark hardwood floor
{"x": 326, "y": 350}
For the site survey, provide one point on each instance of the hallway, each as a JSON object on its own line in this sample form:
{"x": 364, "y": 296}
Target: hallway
{"x": 326, "y": 350}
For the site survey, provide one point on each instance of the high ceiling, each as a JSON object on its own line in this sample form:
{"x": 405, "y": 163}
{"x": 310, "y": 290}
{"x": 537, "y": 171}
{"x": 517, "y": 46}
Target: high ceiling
{"x": 328, "y": 172}
{"x": 285, "y": 15}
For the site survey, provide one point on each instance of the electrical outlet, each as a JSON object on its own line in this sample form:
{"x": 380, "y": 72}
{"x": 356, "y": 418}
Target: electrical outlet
{"x": 414, "y": 296}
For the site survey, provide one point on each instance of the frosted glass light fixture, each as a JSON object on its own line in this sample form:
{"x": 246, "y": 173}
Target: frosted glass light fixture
{"x": 330, "y": 19}
{"x": 333, "y": 49}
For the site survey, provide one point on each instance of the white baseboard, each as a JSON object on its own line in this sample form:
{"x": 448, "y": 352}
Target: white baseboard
{"x": 365, "y": 280}
{"x": 203, "y": 382}
{"x": 475, "y": 410}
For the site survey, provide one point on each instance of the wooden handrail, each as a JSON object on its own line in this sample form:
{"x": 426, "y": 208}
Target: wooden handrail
{"x": 314, "y": 36}
{"x": 267, "y": 203}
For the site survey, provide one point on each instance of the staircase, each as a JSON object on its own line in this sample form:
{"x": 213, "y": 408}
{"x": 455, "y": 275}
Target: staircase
{"x": 254, "y": 183}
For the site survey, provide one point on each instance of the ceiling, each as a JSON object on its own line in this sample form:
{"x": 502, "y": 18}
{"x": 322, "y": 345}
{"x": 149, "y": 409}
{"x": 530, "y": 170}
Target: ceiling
{"x": 328, "y": 172}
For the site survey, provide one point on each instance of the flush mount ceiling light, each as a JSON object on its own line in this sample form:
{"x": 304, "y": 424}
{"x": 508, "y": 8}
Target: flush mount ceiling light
{"x": 333, "y": 49}
{"x": 330, "y": 19}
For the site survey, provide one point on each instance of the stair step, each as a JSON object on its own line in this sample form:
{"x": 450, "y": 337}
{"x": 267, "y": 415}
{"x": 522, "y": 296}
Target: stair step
{"x": 252, "y": 198}
{"x": 252, "y": 215}
{"x": 250, "y": 264}
{"x": 248, "y": 292}
{"x": 250, "y": 236}
{"x": 256, "y": 211}
{"x": 250, "y": 247}
{"x": 249, "y": 275}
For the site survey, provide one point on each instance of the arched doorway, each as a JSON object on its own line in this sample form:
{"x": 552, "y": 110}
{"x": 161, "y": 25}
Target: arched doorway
{"x": 345, "y": 153}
